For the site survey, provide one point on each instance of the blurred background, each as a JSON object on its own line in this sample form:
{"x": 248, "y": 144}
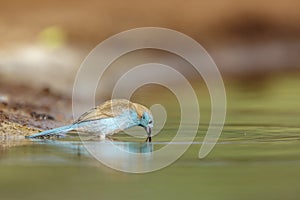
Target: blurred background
{"x": 256, "y": 46}
{"x": 247, "y": 39}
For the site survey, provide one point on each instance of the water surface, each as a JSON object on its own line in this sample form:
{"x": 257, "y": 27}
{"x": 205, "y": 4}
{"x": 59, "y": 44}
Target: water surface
{"x": 256, "y": 157}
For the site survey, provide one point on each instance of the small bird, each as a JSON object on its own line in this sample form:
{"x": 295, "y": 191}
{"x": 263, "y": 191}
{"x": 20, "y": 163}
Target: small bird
{"x": 107, "y": 119}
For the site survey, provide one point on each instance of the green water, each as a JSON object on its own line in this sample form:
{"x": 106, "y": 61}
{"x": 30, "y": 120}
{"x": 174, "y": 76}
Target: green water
{"x": 256, "y": 157}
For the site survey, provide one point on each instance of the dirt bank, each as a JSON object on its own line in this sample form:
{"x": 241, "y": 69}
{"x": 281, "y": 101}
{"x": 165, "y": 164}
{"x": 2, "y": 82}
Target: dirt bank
{"x": 24, "y": 110}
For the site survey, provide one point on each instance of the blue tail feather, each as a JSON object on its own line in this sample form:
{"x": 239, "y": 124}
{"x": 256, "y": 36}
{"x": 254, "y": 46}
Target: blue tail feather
{"x": 56, "y": 131}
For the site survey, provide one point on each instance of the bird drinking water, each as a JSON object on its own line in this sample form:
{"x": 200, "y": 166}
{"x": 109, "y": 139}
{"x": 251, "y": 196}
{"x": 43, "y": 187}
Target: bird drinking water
{"x": 107, "y": 119}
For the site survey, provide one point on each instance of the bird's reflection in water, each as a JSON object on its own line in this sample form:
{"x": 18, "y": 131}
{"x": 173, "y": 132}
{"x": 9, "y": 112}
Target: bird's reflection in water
{"x": 134, "y": 147}
{"x": 107, "y": 146}
{"x": 124, "y": 156}
{"x": 131, "y": 157}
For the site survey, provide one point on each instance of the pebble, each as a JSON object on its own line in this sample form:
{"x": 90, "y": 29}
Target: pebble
{"x": 4, "y": 98}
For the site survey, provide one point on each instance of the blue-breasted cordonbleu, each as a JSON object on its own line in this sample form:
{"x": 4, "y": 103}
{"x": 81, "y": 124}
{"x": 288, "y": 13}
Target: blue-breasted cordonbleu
{"x": 110, "y": 117}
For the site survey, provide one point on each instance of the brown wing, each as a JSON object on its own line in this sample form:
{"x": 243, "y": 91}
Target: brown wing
{"x": 108, "y": 109}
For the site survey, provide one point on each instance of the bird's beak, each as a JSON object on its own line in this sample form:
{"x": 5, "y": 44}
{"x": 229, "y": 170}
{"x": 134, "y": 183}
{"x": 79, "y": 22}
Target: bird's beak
{"x": 148, "y": 130}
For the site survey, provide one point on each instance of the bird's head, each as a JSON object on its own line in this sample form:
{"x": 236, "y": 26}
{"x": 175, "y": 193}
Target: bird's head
{"x": 145, "y": 119}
